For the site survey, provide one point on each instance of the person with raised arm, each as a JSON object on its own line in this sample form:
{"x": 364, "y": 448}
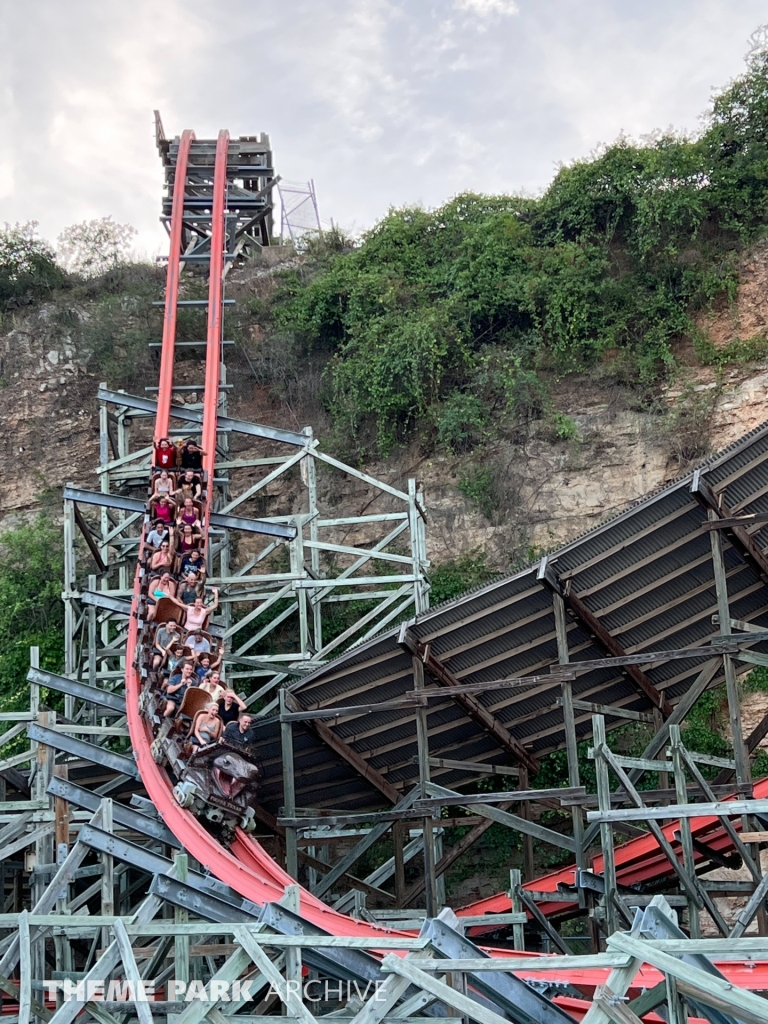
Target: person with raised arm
{"x": 165, "y": 454}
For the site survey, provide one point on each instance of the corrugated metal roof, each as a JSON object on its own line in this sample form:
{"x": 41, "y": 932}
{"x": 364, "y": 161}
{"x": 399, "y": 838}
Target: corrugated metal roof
{"x": 645, "y": 573}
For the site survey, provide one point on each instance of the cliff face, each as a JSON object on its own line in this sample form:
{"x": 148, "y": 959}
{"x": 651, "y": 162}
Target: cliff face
{"x": 534, "y": 492}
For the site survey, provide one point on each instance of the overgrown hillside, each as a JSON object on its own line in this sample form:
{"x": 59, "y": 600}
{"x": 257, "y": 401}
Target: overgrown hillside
{"x": 451, "y": 324}
{"x": 538, "y": 364}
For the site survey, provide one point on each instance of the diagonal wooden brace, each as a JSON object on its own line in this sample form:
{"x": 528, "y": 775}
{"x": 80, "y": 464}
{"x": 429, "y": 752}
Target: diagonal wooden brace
{"x": 469, "y": 704}
{"x": 548, "y": 578}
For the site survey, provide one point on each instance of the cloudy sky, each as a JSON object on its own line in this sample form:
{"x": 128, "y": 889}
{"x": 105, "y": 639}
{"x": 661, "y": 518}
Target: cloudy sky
{"x": 381, "y": 102}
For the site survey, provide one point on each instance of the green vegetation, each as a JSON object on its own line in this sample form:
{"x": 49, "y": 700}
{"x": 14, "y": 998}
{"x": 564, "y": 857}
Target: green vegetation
{"x": 452, "y": 579}
{"x": 28, "y": 268}
{"x": 441, "y": 321}
{"x": 31, "y": 609}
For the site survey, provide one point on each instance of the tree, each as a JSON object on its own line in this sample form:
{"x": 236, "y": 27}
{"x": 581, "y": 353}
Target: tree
{"x": 31, "y": 609}
{"x": 95, "y": 246}
{"x": 27, "y": 263}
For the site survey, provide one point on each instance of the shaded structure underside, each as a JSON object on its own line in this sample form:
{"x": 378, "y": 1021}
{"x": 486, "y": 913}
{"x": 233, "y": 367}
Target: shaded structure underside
{"x": 646, "y": 576}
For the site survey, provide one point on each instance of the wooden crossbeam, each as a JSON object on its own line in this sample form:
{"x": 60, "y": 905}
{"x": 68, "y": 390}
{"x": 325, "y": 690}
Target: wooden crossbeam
{"x": 327, "y": 735}
{"x": 737, "y": 533}
{"x": 469, "y": 704}
{"x": 548, "y": 578}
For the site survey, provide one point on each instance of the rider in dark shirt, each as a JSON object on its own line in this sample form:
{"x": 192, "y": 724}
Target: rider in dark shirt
{"x": 192, "y": 456}
{"x": 230, "y": 707}
{"x": 239, "y": 733}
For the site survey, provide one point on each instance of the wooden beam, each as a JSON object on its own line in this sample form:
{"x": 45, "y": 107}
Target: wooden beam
{"x": 469, "y": 704}
{"x": 571, "y": 795}
{"x": 548, "y": 578}
{"x": 602, "y": 709}
{"x": 327, "y": 735}
{"x": 478, "y": 767}
{"x": 736, "y": 533}
{"x": 728, "y": 524}
{"x": 752, "y": 742}
{"x": 92, "y": 547}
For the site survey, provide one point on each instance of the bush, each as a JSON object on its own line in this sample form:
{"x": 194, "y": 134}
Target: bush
{"x": 28, "y": 268}
{"x": 31, "y": 609}
{"x": 461, "y": 419}
{"x": 451, "y": 579}
{"x": 478, "y": 296}
{"x": 93, "y": 247}
{"x": 685, "y": 429}
{"x": 564, "y": 428}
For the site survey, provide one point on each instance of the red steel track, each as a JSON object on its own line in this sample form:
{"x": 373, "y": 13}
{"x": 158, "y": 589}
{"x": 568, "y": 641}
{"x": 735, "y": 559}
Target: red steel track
{"x": 246, "y": 867}
{"x": 637, "y": 861}
{"x": 168, "y": 351}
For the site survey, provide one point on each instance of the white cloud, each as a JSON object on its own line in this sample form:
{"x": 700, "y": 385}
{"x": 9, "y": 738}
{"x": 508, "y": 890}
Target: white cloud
{"x": 486, "y": 8}
{"x": 382, "y": 102}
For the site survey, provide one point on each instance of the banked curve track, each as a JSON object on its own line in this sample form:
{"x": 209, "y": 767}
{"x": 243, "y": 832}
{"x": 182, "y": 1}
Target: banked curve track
{"x": 245, "y": 866}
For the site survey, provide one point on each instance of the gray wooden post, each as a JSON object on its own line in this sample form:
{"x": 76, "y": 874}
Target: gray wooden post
{"x": 107, "y": 873}
{"x": 422, "y": 740}
{"x": 181, "y": 916}
{"x": 398, "y": 834}
{"x": 525, "y": 812}
{"x": 289, "y": 791}
{"x": 44, "y": 846}
{"x": 92, "y": 638}
{"x": 292, "y": 901}
{"x": 681, "y": 794}
{"x": 61, "y": 943}
{"x": 569, "y": 724}
{"x": 309, "y": 468}
{"x": 518, "y": 930}
{"x": 606, "y": 833}
{"x": 740, "y": 752}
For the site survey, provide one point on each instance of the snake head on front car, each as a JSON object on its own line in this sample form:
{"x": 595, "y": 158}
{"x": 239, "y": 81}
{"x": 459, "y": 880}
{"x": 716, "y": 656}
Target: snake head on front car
{"x": 233, "y": 774}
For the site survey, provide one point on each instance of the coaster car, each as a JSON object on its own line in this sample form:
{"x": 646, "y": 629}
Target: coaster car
{"x": 219, "y": 782}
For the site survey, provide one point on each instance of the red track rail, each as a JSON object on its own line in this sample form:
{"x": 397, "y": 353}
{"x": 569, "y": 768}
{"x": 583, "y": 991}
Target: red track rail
{"x": 246, "y": 867}
{"x": 215, "y": 296}
{"x": 637, "y": 861}
{"x": 168, "y": 351}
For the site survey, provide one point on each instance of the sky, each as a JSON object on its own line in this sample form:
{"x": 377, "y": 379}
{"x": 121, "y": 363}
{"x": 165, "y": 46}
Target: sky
{"x": 381, "y": 102}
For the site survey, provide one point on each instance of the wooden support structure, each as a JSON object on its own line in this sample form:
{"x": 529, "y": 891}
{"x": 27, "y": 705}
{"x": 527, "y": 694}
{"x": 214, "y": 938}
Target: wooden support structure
{"x": 346, "y": 752}
{"x": 547, "y": 577}
{"x": 422, "y": 741}
{"x": 289, "y": 791}
{"x": 473, "y": 708}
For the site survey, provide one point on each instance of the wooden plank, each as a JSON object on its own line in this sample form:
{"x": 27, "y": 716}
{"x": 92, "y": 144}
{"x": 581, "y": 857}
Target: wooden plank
{"x": 729, "y": 809}
{"x": 548, "y": 578}
{"x": 290, "y": 999}
{"x": 692, "y": 981}
{"x": 750, "y": 519}
{"x": 572, "y": 795}
{"x": 450, "y": 996}
{"x": 473, "y": 766}
{"x": 529, "y": 964}
{"x": 131, "y": 970}
{"x": 469, "y": 704}
{"x": 651, "y": 657}
{"x": 602, "y": 709}
{"x": 25, "y": 969}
